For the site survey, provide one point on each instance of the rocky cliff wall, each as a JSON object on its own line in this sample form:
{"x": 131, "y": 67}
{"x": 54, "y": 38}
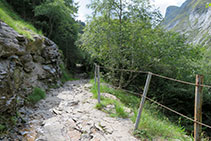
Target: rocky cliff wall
{"x": 193, "y": 19}
{"x": 25, "y": 64}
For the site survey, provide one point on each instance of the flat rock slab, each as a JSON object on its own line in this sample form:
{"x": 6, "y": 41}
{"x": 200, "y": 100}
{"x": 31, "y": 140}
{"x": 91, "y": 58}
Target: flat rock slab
{"x": 68, "y": 114}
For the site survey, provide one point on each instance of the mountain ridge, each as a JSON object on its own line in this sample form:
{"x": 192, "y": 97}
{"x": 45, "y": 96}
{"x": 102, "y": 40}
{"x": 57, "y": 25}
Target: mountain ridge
{"x": 192, "y": 18}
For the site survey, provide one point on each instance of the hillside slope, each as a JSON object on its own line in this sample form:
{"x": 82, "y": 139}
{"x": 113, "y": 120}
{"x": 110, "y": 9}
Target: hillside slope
{"x": 193, "y": 19}
{"x": 8, "y": 16}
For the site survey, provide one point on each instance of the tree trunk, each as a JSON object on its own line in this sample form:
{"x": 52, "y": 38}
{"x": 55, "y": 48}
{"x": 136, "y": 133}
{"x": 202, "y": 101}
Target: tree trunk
{"x": 51, "y": 27}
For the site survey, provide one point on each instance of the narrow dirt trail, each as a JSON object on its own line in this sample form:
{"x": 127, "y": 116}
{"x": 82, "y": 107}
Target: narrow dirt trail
{"x": 68, "y": 114}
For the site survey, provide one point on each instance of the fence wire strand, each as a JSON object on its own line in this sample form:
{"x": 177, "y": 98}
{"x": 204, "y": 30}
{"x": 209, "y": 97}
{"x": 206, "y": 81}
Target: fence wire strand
{"x": 180, "y": 81}
{"x": 159, "y": 104}
{"x": 125, "y": 70}
{"x": 163, "y": 106}
{"x": 161, "y": 76}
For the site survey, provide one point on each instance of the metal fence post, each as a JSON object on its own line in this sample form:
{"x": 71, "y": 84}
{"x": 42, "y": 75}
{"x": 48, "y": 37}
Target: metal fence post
{"x": 198, "y": 107}
{"x": 146, "y": 87}
{"x": 98, "y": 86}
{"x": 95, "y": 73}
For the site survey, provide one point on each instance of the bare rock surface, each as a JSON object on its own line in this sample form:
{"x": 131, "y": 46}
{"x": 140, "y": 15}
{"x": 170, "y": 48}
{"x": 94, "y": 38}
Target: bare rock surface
{"x": 25, "y": 64}
{"x": 68, "y": 114}
{"x": 192, "y": 18}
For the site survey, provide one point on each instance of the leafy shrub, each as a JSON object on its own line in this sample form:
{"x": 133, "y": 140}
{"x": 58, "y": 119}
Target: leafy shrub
{"x": 36, "y": 95}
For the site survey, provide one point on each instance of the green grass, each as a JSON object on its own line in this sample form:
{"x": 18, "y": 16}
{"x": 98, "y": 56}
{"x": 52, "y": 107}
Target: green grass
{"x": 13, "y": 20}
{"x": 99, "y": 106}
{"x": 153, "y": 124}
{"x": 118, "y": 110}
{"x": 36, "y": 95}
{"x": 119, "y": 107}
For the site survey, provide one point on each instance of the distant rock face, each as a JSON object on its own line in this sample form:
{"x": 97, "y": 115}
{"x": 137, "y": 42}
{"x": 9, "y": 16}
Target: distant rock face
{"x": 170, "y": 11}
{"x": 25, "y": 64}
{"x": 193, "y": 18}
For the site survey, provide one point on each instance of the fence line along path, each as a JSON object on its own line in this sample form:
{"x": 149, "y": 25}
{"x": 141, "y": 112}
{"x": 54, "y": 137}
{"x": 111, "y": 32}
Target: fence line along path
{"x": 198, "y": 98}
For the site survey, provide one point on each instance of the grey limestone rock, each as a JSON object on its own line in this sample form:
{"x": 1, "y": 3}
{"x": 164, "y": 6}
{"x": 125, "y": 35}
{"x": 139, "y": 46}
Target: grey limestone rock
{"x": 22, "y": 66}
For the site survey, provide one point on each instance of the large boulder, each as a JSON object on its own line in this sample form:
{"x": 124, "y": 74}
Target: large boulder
{"x": 24, "y": 64}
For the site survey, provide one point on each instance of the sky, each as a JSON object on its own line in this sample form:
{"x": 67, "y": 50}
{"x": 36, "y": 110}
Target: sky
{"x": 161, "y": 4}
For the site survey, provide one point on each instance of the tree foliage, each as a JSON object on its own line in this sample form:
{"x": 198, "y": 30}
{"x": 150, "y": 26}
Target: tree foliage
{"x": 126, "y": 35}
{"x": 56, "y": 18}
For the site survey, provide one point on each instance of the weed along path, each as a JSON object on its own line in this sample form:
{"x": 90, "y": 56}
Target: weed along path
{"x": 68, "y": 114}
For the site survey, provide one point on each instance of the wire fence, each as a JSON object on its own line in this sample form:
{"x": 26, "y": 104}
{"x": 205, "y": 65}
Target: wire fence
{"x": 157, "y": 103}
{"x": 163, "y": 106}
{"x": 125, "y": 70}
{"x": 161, "y": 76}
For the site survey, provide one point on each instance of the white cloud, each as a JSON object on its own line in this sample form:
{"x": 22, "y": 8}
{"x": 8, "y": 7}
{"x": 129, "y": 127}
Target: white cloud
{"x": 83, "y": 11}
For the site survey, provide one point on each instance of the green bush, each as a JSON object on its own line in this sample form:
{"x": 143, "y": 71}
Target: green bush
{"x": 36, "y": 95}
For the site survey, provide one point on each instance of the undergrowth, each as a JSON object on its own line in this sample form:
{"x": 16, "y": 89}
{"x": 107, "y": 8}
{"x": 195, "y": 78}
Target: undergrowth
{"x": 8, "y": 121}
{"x": 8, "y": 16}
{"x": 118, "y": 108}
{"x": 153, "y": 124}
{"x": 2, "y": 127}
{"x": 118, "y": 111}
{"x": 66, "y": 76}
{"x": 36, "y": 95}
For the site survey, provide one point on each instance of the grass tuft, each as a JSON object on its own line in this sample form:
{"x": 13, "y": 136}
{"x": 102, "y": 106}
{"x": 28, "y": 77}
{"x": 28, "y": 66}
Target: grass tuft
{"x": 36, "y": 95}
{"x": 119, "y": 107}
{"x": 120, "y": 111}
{"x": 99, "y": 106}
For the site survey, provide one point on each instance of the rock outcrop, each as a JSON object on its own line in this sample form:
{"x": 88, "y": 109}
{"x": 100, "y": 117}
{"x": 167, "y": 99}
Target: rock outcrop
{"x": 193, "y": 19}
{"x": 25, "y": 64}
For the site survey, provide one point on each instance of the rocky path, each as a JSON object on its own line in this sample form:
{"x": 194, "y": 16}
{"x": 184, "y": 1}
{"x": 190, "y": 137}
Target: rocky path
{"x": 68, "y": 114}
